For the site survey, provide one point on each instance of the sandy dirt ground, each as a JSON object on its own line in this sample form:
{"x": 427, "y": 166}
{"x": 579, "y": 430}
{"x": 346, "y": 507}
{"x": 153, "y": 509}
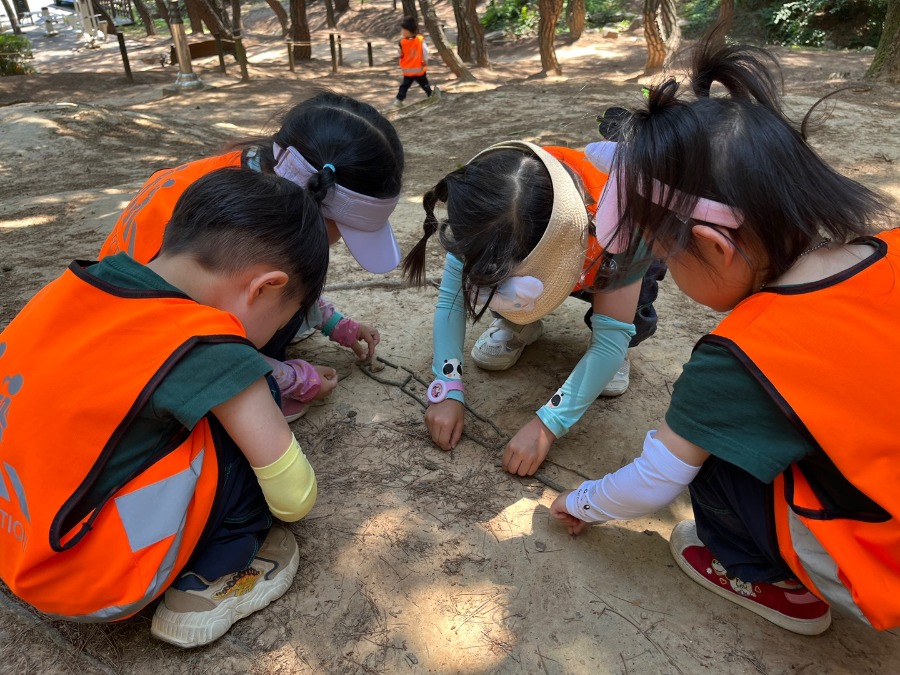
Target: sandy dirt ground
{"x": 415, "y": 560}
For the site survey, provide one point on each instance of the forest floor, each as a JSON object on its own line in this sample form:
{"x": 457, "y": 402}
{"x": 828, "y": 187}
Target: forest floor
{"x": 416, "y": 560}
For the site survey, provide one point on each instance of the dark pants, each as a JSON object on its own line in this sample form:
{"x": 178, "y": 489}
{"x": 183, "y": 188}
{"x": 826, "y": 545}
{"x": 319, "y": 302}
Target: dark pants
{"x": 735, "y": 520}
{"x": 239, "y": 520}
{"x": 645, "y": 318}
{"x": 421, "y": 80}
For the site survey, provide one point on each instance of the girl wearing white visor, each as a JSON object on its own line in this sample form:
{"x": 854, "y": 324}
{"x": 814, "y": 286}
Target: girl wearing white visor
{"x": 350, "y": 158}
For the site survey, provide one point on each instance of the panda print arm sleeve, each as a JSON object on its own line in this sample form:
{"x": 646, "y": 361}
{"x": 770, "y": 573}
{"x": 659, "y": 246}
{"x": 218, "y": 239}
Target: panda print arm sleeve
{"x": 609, "y": 342}
{"x": 449, "y": 326}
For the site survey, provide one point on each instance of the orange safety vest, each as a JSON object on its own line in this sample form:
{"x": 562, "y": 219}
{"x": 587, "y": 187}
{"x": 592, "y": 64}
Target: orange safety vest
{"x": 139, "y": 230}
{"x": 804, "y": 348}
{"x": 412, "y": 56}
{"x": 88, "y": 355}
{"x": 594, "y": 181}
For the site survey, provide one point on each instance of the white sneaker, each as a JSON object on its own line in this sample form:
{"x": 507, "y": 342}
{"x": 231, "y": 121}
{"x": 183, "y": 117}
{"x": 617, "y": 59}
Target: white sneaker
{"x": 397, "y": 103}
{"x": 618, "y": 385}
{"x": 501, "y": 345}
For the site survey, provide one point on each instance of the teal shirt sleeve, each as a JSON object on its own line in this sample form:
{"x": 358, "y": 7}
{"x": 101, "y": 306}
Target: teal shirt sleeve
{"x": 609, "y": 343}
{"x": 719, "y": 406}
{"x": 449, "y": 332}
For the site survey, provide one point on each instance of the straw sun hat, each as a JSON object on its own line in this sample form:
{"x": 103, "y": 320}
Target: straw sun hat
{"x": 558, "y": 259}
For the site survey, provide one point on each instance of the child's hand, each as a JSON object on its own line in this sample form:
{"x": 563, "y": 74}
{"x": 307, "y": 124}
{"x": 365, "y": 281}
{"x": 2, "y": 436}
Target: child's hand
{"x": 445, "y": 423}
{"x": 558, "y": 512}
{"x": 327, "y": 382}
{"x": 369, "y": 336}
{"x": 528, "y": 448}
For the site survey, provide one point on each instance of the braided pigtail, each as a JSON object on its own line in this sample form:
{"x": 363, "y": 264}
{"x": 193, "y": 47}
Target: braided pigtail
{"x": 414, "y": 263}
{"x": 321, "y": 182}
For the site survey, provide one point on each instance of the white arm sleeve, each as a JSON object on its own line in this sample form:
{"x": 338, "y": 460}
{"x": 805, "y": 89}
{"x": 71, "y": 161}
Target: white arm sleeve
{"x": 650, "y": 482}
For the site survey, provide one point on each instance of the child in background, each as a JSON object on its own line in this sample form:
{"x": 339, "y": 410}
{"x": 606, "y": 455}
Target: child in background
{"x": 351, "y": 160}
{"x": 170, "y": 454}
{"x": 413, "y": 61}
{"x": 519, "y": 241}
{"x": 793, "y": 482}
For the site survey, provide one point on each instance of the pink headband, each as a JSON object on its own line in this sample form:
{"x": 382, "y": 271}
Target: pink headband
{"x": 601, "y": 155}
{"x": 362, "y": 220}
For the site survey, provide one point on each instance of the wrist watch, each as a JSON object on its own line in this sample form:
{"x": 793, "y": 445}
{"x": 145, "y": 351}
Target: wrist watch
{"x": 438, "y": 390}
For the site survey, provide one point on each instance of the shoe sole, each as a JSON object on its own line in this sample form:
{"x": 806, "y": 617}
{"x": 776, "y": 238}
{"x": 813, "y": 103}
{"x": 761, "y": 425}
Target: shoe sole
{"x": 612, "y": 392}
{"x": 799, "y": 626}
{"x": 494, "y": 366}
{"x": 194, "y": 629}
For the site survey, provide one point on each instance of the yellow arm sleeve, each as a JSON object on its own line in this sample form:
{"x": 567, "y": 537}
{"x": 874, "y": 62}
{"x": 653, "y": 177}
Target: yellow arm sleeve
{"x": 288, "y": 484}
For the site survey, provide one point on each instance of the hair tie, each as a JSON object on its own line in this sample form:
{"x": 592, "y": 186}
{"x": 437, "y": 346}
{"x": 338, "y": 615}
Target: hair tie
{"x": 329, "y": 166}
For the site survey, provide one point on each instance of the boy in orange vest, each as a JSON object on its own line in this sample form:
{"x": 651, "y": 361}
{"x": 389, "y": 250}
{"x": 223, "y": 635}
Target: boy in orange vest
{"x": 174, "y": 453}
{"x": 413, "y": 61}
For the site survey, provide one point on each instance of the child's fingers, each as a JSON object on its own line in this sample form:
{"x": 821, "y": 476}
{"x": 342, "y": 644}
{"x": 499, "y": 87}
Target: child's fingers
{"x": 456, "y": 436}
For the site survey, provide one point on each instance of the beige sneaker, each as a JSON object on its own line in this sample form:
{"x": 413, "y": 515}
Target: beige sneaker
{"x": 194, "y": 618}
{"x": 618, "y": 385}
{"x": 501, "y": 345}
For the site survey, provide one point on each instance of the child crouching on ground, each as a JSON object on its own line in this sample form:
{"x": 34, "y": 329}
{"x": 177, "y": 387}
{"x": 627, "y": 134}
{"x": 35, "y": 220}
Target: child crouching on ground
{"x": 171, "y": 453}
{"x": 793, "y": 482}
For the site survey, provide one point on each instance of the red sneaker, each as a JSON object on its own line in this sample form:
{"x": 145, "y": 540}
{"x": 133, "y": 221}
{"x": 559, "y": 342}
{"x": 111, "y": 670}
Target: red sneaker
{"x": 793, "y": 608}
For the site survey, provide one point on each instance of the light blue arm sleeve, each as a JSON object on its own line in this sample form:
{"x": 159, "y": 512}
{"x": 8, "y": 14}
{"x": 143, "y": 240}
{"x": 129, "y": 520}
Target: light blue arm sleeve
{"x": 449, "y": 322}
{"x": 609, "y": 343}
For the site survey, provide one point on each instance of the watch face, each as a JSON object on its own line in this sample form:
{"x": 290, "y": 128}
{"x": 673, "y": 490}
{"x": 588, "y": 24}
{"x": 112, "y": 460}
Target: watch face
{"x": 436, "y": 392}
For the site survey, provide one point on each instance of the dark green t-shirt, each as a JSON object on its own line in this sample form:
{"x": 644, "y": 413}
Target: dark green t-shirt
{"x": 207, "y": 375}
{"x": 719, "y": 406}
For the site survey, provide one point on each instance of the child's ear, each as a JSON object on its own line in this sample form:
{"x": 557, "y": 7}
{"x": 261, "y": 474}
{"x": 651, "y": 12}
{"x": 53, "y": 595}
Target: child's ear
{"x": 714, "y": 241}
{"x": 262, "y": 283}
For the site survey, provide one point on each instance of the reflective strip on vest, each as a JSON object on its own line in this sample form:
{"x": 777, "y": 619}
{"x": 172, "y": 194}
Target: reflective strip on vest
{"x": 167, "y": 500}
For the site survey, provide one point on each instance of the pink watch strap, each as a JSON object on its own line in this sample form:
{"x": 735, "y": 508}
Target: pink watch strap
{"x": 438, "y": 390}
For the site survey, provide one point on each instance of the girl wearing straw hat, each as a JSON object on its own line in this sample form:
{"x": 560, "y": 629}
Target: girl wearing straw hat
{"x": 519, "y": 240}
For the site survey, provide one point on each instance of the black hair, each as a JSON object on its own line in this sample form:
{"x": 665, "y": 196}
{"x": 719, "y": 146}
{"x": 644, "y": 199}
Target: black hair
{"x": 233, "y": 217}
{"x": 409, "y": 23}
{"x": 738, "y": 149}
{"x": 352, "y": 136}
{"x": 498, "y": 208}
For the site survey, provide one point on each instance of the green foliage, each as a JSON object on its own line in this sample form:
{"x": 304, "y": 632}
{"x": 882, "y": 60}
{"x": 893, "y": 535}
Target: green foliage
{"x": 520, "y": 17}
{"x": 698, "y": 15}
{"x": 813, "y": 23}
{"x": 14, "y": 50}
{"x": 515, "y": 16}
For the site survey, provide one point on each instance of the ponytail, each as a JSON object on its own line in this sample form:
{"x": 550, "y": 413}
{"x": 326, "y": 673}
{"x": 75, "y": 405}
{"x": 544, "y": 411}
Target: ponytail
{"x": 321, "y": 182}
{"x": 414, "y": 263}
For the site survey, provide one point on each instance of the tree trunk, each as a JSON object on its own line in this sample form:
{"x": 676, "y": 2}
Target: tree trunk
{"x": 300, "y": 30}
{"x": 215, "y": 19}
{"x": 104, "y": 16}
{"x": 195, "y": 17}
{"x": 481, "y": 56}
{"x": 456, "y": 66}
{"x": 13, "y": 18}
{"x": 281, "y": 14}
{"x": 575, "y": 17}
{"x": 671, "y": 32}
{"x": 162, "y": 10}
{"x": 341, "y": 6}
{"x": 656, "y": 46}
{"x": 409, "y": 9}
{"x": 463, "y": 39}
{"x": 329, "y": 14}
{"x": 146, "y": 19}
{"x": 549, "y": 15}
{"x": 886, "y": 64}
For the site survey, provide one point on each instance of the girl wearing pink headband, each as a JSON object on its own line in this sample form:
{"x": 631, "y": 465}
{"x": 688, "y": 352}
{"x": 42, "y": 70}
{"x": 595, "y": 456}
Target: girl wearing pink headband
{"x": 792, "y": 480}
